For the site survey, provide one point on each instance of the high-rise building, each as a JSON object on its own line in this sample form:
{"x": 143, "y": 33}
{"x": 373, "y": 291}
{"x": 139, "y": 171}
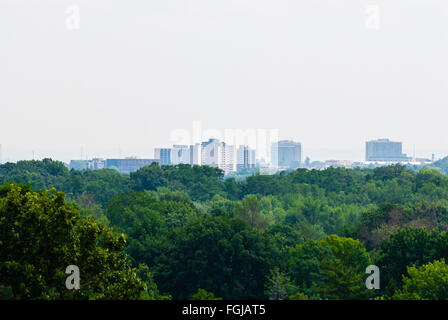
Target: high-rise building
{"x": 164, "y": 154}
{"x": 286, "y": 154}
{"x": 215, "y": 153}
{"x": 229, "y": 164}
{"x": 180, "y": 154}
{"x": 245, "y": 158}
{"x": 212, "y": 153}
{"x": 195, "y": 154}
{"x": 385, "y": 150}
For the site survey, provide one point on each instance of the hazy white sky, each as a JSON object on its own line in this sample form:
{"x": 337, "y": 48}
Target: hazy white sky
{"x": 330, "y": 74}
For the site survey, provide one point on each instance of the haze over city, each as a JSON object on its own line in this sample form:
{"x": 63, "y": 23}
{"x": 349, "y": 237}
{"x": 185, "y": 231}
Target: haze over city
{"x": 126, "y": 76}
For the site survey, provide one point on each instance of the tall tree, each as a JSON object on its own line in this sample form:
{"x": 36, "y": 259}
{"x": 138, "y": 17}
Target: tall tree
{"x": 41, "y": 234}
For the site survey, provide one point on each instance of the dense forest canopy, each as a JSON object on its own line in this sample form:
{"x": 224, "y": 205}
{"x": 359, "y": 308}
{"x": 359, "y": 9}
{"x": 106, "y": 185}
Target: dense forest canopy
{"x": 188, "y": 232}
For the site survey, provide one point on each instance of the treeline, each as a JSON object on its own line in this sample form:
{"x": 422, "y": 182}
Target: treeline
{"x": 394, "y": 183}
{"x": 188, "y": 232}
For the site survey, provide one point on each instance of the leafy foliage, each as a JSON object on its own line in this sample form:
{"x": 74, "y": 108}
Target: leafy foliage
{"x": 41, "y": 235}
{"x": 428, "y": 282}
{"x": 190, "y": 231}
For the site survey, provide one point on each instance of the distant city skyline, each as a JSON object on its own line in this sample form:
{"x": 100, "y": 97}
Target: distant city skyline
{"x": 242, "y": 159}
{"x": 65, "y": 154}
